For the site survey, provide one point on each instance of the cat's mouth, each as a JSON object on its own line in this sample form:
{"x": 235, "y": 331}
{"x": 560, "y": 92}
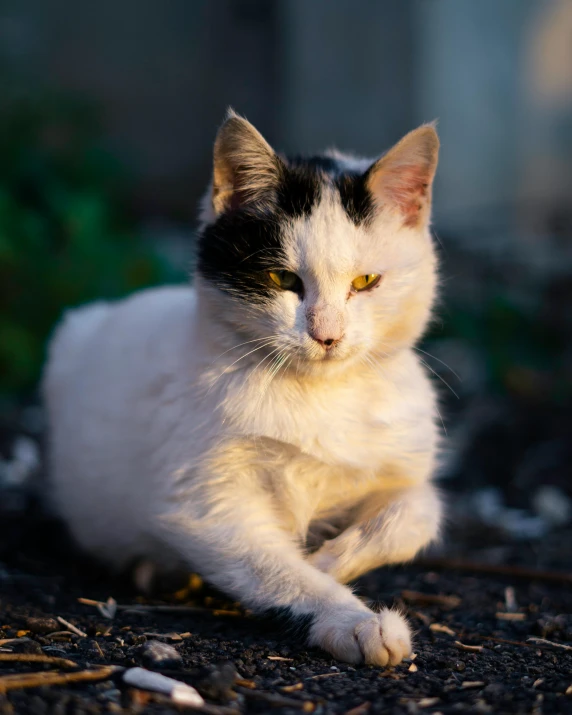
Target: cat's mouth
{"x": 321, "y": 356}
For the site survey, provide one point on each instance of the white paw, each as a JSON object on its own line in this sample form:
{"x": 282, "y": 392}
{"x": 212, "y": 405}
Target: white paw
{"x": 364, "y": 637}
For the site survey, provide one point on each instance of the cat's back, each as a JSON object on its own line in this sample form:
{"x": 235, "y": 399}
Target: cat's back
{"x": 104, "y": 333}
{"x": 106, "y": 362}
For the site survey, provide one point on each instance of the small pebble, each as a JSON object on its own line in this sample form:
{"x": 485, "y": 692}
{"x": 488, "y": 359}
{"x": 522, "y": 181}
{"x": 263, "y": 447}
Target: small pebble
{"x": 42, "y": 625}
{"x": 160, "y": 655}
{"x": 25, "y": 645}
{"x": 217, "y": 681}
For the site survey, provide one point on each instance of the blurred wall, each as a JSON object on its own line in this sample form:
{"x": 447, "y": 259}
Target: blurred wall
{"x": 497, "y": 76}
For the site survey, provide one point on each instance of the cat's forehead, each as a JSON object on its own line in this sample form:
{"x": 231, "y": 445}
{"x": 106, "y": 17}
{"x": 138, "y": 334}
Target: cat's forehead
{"x": 331, "y": 235}
{"x": 326, "y": 240}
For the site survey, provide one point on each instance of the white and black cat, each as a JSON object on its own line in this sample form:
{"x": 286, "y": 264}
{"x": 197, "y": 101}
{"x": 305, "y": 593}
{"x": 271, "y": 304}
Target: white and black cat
{"x": 221, "y": 424}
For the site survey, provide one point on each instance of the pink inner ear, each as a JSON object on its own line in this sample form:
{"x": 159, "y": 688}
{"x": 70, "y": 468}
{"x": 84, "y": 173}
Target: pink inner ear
{"x": 407, "y": 187}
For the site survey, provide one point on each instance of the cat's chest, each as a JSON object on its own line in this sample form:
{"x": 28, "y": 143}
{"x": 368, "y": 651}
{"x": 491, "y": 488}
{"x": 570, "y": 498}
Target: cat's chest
{"x": 343, "y": 422}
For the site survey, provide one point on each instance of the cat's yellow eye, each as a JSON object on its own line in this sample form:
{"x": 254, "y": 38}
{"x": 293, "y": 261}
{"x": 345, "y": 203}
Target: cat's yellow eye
{"x": 367, "y": 281}
{"x": 285, "y": 280}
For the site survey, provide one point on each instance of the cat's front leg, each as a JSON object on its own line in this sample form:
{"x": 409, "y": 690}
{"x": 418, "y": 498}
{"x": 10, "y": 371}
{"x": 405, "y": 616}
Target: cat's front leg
{"x": 390, "y": 528}
{"x": 232, "y": 537}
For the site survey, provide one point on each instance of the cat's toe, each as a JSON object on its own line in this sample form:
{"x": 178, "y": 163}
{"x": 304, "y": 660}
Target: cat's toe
{"x": 372, "y": 638}
{"x": 384, "y": 639}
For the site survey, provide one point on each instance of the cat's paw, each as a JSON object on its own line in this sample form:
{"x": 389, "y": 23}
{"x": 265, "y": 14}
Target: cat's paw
{"x": 372, "y": 638}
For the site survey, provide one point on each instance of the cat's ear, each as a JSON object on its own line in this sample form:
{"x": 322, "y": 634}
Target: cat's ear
{"x": 403, "y": 177}
{"x": 246, "y": 168}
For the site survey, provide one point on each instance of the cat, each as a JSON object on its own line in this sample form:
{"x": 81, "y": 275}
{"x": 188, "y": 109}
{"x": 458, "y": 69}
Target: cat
{"x": 275, "y": 400}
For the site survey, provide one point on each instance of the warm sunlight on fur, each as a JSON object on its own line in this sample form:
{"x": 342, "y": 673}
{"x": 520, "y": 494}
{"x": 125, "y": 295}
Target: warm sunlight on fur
{"x": 220, "y": 425}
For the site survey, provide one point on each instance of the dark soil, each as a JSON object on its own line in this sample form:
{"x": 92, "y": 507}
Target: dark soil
{"x": 40, "y": 577}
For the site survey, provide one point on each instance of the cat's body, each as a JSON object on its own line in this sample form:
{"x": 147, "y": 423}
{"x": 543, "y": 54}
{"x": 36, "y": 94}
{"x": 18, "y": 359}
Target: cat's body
{"x": 221, "y": 425}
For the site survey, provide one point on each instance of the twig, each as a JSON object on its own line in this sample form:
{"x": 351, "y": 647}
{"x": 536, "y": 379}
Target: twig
{"x": 427, "y": 702}
{"x": 325, "y": 675}
{"x": 250, "y": 684}
{"x": 277, "y": 701}
{"x": 431, "y": 599}
{"x": 71, "y": 627}
{"x": 440, "y": 628}
{"x": 279, "y": 657}
{"x": 35, "y": 680}
{"x": 180, "y": 610}
{"x": 499, "y": 640}
{"x": 35, "y": 658}
{"x": 469, "y": 648}
{"x": 551, "y": 644}
{"x": 502, "y": 616}
{"x": 359, "y": 709}
{"x": 90, "y": 602}
{"x": 511, "y": 571}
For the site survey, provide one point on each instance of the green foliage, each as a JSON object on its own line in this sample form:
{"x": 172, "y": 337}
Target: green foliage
{"x": 63, "y": 239}
{"x": 521, "y": 346}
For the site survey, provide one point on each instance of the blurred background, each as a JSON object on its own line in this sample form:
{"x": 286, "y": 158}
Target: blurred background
{"x": 108, "y": 111}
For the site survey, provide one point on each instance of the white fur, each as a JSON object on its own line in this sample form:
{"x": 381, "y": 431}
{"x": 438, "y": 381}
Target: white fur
{"x": 176, "y": 435}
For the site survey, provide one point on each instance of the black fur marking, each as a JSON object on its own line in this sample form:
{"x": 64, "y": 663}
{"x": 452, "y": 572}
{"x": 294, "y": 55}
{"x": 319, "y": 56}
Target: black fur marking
{"x": 354, "y": 194}
{"x": 325, "y": 164}
{"x": 356, "y": 198}
{"x": 236, "y": 251}
{"x": 242, "y": 245}
{"x": 297, "y": 626}
{"x": 299, "y": 191}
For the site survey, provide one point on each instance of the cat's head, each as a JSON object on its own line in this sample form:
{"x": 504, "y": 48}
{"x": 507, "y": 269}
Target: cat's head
{"x": 328, "y": 257}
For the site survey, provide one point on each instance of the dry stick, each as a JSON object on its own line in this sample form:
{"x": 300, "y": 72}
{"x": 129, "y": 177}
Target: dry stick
{"x": 548, "y": 644}
{"x": 180, "y": 610}
{"x": 275, "y": 700}
{"x": 215, "y": 709}
{"x": 35, "y": 680}
{"x": 511, "y": 571}
{"x": 359, "y": 709}
{"x": 440, "y": 628}
{"x": 498, "y": 640}
{"x": 34, "y": 658}
{"x": 469, "y": 648}
{"x": 431, "y": 599}
{"x": 502, "y": 616}
{"x": 71, "y": 627}
{"x": 278, "y": 657}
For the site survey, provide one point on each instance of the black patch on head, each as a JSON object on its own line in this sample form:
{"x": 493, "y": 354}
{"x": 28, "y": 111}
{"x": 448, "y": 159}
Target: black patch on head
{"x": 356, "y": 198}
{"x": 324, "y": 164}
{"x": 299, "y": 190}
{"x": 352, "y": 186}
{"x": 237, "y": 251}
{"x": 242, "y": 245}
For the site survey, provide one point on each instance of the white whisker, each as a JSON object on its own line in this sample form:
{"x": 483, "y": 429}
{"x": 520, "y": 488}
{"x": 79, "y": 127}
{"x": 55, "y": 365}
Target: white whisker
{"x": 439, "y": 376}
{"x": 256, "y": 340}
{"x": 438, "y": 360}
{"x": 250, "y": 352}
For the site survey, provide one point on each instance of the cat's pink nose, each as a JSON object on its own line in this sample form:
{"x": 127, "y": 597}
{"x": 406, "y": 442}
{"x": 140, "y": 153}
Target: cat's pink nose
{"x": 327, "y": 341}
{"x": 325, "y": 325}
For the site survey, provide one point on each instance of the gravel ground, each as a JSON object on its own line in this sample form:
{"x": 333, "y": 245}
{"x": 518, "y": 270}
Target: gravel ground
{"x": 473, "y": 651}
